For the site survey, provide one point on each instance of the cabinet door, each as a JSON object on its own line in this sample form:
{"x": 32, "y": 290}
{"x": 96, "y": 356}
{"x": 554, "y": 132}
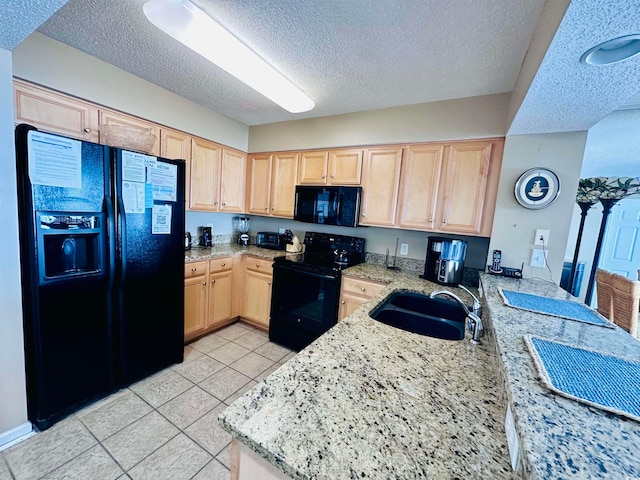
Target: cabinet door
{"x": 348, "y": 305}
{"x": 219, "y": 298}
{"x": 55, "y": 113}
{"x": 195, "y": 306}
{"x": 205, "y": 171}
{"x": 259, "y": 184}
{"x": 313, "y": 168}
{"x": 232, "y": 181}
{"x": 345, "y": 167}
{"x": 177, "y": 145}
{"x": 283, "y": 184}
{"x": 464, "y": 187}
{"x": 110, "y": 117}
{"x": 257, "y": 298}
{"x": 380, "y": 183}
{"x": 419, "y": 182}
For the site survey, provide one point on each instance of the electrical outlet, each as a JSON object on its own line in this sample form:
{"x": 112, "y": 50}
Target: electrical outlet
{"x": 538, "y": 259}
{"x": 281, "y": 230}
{"x": 404, "y": 249}
{"x": 542, "y": 237}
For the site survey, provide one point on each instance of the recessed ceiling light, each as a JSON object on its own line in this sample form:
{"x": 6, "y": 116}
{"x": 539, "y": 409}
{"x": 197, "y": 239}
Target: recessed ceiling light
{"x": 191, "y": 26}
{"x": 612, "y": 51}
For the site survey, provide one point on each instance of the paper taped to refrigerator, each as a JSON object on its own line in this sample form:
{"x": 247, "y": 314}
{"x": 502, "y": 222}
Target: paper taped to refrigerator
{"x": 133, "y": 167}
{"x": 133, "y": 197}
{"x": 54, "y": 160}
{"x": 161, "y": 220}
{"x": 164, "y": 179}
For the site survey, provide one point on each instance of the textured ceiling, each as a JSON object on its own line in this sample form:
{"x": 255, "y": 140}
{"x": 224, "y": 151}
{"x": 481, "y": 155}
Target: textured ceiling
{"x": 20, "y": 18}
{"x": 348, "y": 56}
{"x": 568, "y": 95}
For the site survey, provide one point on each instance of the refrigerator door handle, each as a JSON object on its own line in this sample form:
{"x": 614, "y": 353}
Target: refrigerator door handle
{"x": 111, "y": 226}
{"x": 122, "y": 234}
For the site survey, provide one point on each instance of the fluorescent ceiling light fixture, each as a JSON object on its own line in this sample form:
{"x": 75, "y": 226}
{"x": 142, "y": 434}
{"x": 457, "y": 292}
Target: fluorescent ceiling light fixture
{"x": 612, "y": 51}
{"x": 194, "y": 28}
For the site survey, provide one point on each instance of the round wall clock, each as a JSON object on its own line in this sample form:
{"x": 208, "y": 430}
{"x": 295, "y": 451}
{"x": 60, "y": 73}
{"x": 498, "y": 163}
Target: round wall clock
{"x": 537, "y": 188}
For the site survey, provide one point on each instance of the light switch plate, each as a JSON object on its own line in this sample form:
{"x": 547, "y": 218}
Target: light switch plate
{"x": 538, "y": 258}
{"x": 404, "y": 249}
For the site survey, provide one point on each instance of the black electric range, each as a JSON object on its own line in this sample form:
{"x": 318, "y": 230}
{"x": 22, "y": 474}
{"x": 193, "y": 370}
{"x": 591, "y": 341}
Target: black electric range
{"x": 306, "y": 288}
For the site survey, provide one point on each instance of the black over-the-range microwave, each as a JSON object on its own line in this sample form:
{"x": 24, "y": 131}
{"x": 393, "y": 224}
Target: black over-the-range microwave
{"x": 328, "y": 205}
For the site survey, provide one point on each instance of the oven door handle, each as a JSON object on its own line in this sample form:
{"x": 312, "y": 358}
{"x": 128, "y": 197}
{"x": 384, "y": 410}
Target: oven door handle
{"x": 306, "y": 271}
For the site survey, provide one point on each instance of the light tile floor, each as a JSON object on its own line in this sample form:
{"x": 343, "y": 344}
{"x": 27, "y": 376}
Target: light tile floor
{"x": 163, "y": 427}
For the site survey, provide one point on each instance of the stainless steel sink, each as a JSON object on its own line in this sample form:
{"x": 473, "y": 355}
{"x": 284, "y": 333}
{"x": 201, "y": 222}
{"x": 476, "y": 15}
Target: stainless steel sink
{"x": 418, "y": 313}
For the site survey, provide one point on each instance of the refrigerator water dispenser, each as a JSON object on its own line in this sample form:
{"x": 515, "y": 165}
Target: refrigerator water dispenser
{"x": 70, "y": 245}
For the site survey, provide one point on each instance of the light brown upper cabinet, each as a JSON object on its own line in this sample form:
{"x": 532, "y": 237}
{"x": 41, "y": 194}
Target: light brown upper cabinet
{"x": 177, "y": 145}
{"x": 272, "y": 183}
{"x": 217, "y": 177}
{"x": 54, "y": 112}
{"x": 330, "y": 167}
{"x": 380, "y": 184}
{"x": 419, "y": 181}
{"x": 110, "y": 117}
{"x": 468, "y": 187}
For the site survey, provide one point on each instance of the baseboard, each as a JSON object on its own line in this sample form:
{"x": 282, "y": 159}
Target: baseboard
{"x": 16, "y": 435}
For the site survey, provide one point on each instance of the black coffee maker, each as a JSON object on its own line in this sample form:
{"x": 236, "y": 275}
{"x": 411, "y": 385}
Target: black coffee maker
{"x": 207, "y": 237}
{"x": 445, "y": 260}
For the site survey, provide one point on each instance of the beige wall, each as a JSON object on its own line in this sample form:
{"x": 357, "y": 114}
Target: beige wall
{"x": 13, "y": 403}
{"x": 475, "y": 117}
{"x": 514, "y": 226}
{"x": 48, "y": 62}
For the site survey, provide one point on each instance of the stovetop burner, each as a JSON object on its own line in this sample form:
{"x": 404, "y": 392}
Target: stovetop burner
{"x": 324, "y": 251}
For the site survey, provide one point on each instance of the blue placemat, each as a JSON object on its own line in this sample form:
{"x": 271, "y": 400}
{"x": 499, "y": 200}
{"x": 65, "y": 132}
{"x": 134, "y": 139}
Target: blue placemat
{"x": 605, "y": 381}
{"x": 553, "y": 306}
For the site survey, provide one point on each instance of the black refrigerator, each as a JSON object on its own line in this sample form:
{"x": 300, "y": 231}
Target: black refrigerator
{"x": 102, "y": 263}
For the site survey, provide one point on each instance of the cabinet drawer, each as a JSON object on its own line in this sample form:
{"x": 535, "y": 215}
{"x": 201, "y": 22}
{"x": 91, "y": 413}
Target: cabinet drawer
{"x": 220, "y": 264}
{"x": 259, "y": 265}
{"x": 195, "y": 269}
{"x": 361, "y": 288}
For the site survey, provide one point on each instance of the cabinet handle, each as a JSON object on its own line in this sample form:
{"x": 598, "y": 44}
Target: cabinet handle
{"x": 224, "y": 204}
{"x": 444, "y": 220}
{"x": 323, "y": 175}
{"x": 194, "y": 269}
{"x": 332, "y": 176}
{"x": 87, "y": 130}
{"x": 257, "y": 265}
{"x": 273, "y": 209}
{"x": 430, "y": 220}
{"x": 363, "y": 215}
{"x": 215, "y": 203}
{"x": 223, "y": 264}
{"x": 268, "y": 283}
{"x": 266, "y": 208}
{"x": 204, "y": 283}
{"x": 213, "y": 281}
{"x": 342, "y": 302}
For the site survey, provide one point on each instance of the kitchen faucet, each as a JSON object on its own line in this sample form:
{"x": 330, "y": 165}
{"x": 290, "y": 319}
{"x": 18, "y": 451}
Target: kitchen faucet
{"x": 473, "y": 316}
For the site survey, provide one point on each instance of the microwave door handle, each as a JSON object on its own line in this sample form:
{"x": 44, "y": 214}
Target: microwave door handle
{"x": 339, "y": 207}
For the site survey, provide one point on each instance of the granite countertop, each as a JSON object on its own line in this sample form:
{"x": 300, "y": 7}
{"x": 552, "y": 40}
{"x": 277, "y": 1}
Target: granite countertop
{"x": 367, "y": 400}
{"x": 559, "y": 437}
{"x": 225, "y": 250}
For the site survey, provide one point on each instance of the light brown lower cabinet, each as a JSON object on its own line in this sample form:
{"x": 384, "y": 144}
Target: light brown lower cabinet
{"x": 195, "y": 299}
{"x": 256, "y": 301}
{"x": 355, "y": 292}
{"x": 208, "y": 296}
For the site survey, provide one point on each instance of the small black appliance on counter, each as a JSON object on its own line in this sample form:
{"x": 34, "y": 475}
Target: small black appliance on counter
{"x": 445, "y": 260}
{"x": 272, "y": 240}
